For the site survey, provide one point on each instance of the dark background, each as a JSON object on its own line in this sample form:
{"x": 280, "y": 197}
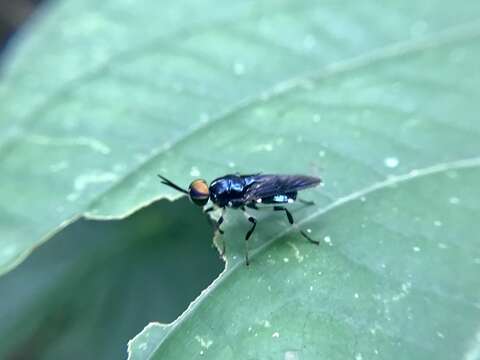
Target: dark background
{"x": 13, "y": 14}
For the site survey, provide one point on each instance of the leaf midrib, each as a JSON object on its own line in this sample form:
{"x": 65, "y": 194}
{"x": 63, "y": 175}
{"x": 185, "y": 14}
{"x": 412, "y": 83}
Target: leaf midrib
{"x": 381, "y": 54}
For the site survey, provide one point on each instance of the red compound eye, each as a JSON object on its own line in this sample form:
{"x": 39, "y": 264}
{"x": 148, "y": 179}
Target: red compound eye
{"x": 198, "y": 191}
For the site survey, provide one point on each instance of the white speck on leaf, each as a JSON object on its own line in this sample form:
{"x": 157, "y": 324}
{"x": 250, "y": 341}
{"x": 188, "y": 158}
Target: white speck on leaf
{"x": 238, "y": 68}
{"x": 291, "y": 355}
{"x": 204, "y": 343}
{"x": 59, "y": 166}
{"x": 275, "y": 335}
{"x": 296, "y": 250}
{"x": 454, "y": 200}
{"x": 437, "y": 223}
{"x": 406, "y": 287}
{"x": 416, "y": 249}
{"x": 94, "y": 144}
{"x": 263, "y": 147}
{"x": 328, "y": 240}
{"x": 286, "y": 259}
{"x": 265, "y": 323}
{"x": 356, "y": 295}
{"x": 165, "y": 146}
{"x": 194, "y": 171}
{"x": 231, "y": 164}
{"x": 204, "y": 117}
{"x": 358, "y": 356}
{"x": 391, "y": 162}
{"x": 9, "y": 250}
{"x": 140, "y": 157}
{"x": 82, "y": 181}
{"x": 143, "y": 346}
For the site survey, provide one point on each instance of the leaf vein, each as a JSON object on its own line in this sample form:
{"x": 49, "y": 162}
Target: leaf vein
{"x": 470, "y": 30}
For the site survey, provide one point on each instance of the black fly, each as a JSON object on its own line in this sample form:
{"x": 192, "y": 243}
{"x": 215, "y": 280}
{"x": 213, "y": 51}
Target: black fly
{"x": 248, "y": 191}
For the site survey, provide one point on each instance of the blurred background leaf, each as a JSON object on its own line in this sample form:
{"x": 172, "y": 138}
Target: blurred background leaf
{"x": 12, "y": 15}
{"x": 94, "y": 286}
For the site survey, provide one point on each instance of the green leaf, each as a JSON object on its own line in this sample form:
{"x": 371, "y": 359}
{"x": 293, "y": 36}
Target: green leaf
{"x": 368, "y": 95}
{"x": 396, "y": 277}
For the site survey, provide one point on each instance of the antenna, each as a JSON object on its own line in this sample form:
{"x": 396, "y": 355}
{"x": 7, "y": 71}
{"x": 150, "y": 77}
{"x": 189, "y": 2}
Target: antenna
{"x": 172, "y": 185}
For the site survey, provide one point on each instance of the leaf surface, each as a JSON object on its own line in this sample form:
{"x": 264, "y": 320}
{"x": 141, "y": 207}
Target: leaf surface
{"x": 367, "y": 95}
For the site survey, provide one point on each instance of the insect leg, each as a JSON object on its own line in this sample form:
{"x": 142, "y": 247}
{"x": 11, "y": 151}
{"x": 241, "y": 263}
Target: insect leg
{"x": 249, "y": 233}
{"x": 252, "y": 206}
{"x": 306, "y": 202}
{"x": 288, "y": 213}
{"x": 216, "y": 225}
{"x": 292, "y": 222}
{"x": 219, "y": 222}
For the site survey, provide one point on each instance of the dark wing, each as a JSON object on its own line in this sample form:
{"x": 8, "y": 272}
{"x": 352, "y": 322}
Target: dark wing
{"x": 264, "y": 186}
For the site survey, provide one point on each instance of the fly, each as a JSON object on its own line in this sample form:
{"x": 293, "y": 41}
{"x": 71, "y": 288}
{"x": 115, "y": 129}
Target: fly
{"x": 248, "y": 191}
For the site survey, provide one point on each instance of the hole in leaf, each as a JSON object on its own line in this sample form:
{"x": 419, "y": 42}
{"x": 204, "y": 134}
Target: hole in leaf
{"x": 95, "y": 285}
